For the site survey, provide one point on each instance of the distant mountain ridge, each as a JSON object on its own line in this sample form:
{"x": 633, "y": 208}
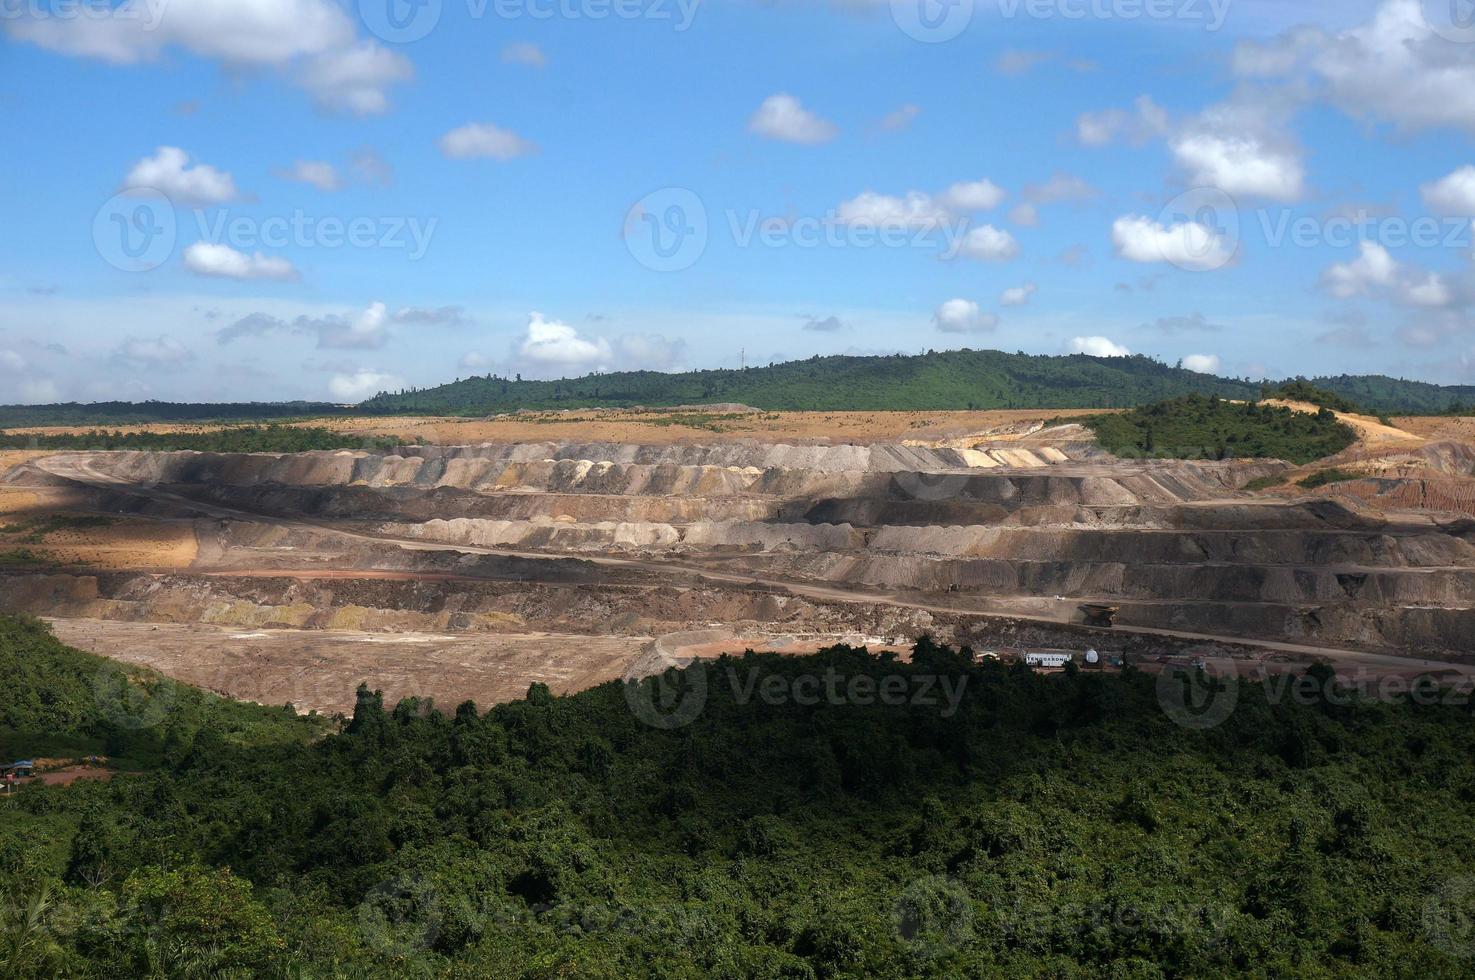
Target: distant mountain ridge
{"x": 935, "y": 381}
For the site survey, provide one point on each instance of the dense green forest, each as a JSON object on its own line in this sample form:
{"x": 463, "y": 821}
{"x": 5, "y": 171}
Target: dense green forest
{"x": 1025, "y": 825}
{"x": 130, "y": 413}
{"x": 1210, "y": 428}
{"x": 232, "y": 439}
{"x": 935, "y": 381}
{"x": 1301, "y": 390}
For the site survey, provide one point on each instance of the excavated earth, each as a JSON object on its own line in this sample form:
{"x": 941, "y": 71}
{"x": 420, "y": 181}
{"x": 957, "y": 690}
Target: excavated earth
{"x": 568, "y": 561}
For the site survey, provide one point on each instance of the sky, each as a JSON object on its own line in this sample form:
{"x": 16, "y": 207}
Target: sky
{"x": 211, "y": 200}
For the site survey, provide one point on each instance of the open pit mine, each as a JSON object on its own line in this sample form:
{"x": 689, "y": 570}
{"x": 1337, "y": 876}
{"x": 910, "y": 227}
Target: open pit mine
{"x": 473, "y": 571}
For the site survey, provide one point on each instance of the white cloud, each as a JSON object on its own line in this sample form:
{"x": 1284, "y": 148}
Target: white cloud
{"x": 977, "y": 195}
{"x": 649, "y": 352}
{"x": 783, "y": 117}
{"x": 552, "y": 344}
{"x": 361, "y": 384}
{"x": 354, "y": 79}
{"x": 1146, "y": 121}
{"x": 38, "y": 391}
{"x": 524, "y": 53}
{"x": 1396, "y": 68}
{"x": 366, "y": 330}
{"x": 1024, "y": 215}
{"x": 11, "y": 361}
{"x": 988, "y": 244}
{"x": 222, "y": 261}
{"x": 1188, "y": 245}
{"x": 1098, "y": 347}
{"x": 476, "y": 361}
{"x": 484, "y": 140}
{"x": 319, "y": 174}
{"x": 963, "y": 316}
{"x": 1452, "y": 195}
{"x": 315, "y": 37}
{"x": 168, "y": 172}
{"x": 162, "y": 352}
{"x": 869, "y": 209}
{"x": 1240, "y": 165}
{"x": 1376, "y": 273}
{"x": 1018, "y": 295}
{"x": 1203, "y": 363}
{"x": 900, "y": 118}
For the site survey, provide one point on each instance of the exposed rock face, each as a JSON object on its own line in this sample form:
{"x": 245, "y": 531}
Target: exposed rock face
{"x": 1174, "y": 544}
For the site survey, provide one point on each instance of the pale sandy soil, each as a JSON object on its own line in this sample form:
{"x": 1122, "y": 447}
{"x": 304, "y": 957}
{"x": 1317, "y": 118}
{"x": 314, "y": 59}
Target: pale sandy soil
{"x": 656, "y": 427}
{"x": 1438, "y": 428}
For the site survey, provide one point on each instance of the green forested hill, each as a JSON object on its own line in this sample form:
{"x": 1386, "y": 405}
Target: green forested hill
{"x": 1394, "y": 396}
{"x": 993, "y": 822}
{"x": 934, "y": 381}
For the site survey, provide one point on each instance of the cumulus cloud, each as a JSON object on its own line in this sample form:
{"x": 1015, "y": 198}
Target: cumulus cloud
{"x": 12, "y": 361}
{"x": 524, "y": 53}
{"x": 475, "y": 361}
{"x": 1376, "y": 273}
{"x": 553, "y": 344}
{"x": 317, "y": 173}
{"x": 169, "y": 172}
{"x": 1024, "y": 215}
{"x": 364, "y": 383}
{"x": 977, "y": 195}
{"x": 963, "y": 316}
{"x": 1202, "y": 363}
{"x": 1018, "y": 295}
{"x": 314, "y": 42}
{"x": 157, "y": 353}
{"x": 1098, "y": 347}
{"x": 484, "y": 140}
{"x": 224, "y": 262}
{"x": 783, "y": 117}
{"x": 1241, "y": 164}
{"x": 364, "y": 330}
{"x": 988, "y": 244}
{"x": 1188, "y": 244}
{"x": 915, "y": 210}
{"x": 1452, "y": 195}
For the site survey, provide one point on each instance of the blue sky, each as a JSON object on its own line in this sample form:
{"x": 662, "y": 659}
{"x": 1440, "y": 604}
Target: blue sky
{"x": 295, "y": 199}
